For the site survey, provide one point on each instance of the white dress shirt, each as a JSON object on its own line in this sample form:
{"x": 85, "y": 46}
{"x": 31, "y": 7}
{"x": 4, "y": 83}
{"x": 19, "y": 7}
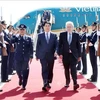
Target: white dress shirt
{"x": 98, "y": 33}
{"x": 48, "y": 35}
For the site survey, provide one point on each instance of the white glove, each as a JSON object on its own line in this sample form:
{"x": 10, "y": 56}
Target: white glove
{"x": 6, "y": 42}
{"x": 90, "y": 44}
{"x": 98, "y": 33}
{"x": 4, "y": 45}
{"x": 17, "y": 35}
{"x": 82, "y": 42}
{"x": 88, "y": 34}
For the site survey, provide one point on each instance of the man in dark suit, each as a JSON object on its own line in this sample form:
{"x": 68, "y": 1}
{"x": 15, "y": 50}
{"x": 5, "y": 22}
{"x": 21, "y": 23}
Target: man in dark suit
{"x": 69, "y": 51}
{"x": 83, "y": 50}
{"x": 92, "y": 52}
{"x": 45, "y": 51}
{"x": 23, "y": 55}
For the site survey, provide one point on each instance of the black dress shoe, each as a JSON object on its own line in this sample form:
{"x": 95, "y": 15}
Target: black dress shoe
{"x": 6, "y": 80}
{"x": 91, "y": 80}
{"x": 1, "y": 90}
{"x": 82, "y": 73}
{"x": 23, "y": 88}
{"x": 44, "y": 89}
{"x": 67, "y": 85}
{"x": 76, "y": 87}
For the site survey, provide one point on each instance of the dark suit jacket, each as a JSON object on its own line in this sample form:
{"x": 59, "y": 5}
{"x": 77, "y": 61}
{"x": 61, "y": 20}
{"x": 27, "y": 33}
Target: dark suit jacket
{"x": 63, "y": 48}
{"x": 43, "y": 48}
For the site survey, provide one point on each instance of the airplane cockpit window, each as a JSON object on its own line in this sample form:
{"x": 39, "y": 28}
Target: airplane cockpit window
{"x": 27, "y": 17}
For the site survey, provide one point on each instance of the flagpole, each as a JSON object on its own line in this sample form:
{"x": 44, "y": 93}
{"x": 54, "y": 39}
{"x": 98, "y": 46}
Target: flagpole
{"x": 77, "y": 22}
{"x": 1, "y": 14}
{"x": 97, "y": 18}
{"x": 86, "y": 22}
{"x": 96, "y": 14}
{"x": 11, "y": 19}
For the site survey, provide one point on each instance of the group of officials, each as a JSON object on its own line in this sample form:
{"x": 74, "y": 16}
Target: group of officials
{"x": 70, "y": 48}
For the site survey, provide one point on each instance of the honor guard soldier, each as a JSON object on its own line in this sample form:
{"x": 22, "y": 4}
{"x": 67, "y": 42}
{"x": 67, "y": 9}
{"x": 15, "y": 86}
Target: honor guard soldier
{"x": 83, "y": 50}
{"x": 6, "y": 37}
{"x": 4, "y": 75}
{"x": 78, "y": 30}
{"x": 98, "y": 50}
{"x": 92, "y": 52}
{"x": 4, "y": 66}
{"x": 11, "y": 52}
{"x": 98, "y": 33}
{"x": 23, "y": 55}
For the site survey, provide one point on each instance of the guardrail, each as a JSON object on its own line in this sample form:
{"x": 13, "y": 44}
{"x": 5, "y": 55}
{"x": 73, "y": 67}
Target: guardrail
{"x": 35, "y": 31}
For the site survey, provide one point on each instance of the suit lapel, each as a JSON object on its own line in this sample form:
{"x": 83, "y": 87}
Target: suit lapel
{"x": 50, "y": 38}
{"x": 72, "y": 38}
{"x": 66, "y": 37}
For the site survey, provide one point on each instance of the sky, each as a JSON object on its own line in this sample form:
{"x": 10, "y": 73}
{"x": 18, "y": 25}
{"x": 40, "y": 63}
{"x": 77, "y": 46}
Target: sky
{"x": 14, "y": 10}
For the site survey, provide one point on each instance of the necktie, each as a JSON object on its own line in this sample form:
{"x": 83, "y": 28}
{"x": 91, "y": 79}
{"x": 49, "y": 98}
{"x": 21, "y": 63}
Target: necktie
{"x": 70, "y": 38}
{"x": 47, "y": 38}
